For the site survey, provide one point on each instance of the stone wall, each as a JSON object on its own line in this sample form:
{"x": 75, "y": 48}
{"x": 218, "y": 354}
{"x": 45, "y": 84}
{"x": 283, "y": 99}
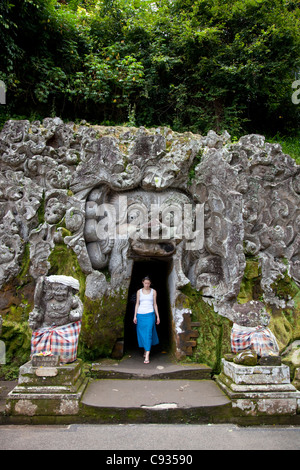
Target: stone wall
{"x": 55, "y": 178}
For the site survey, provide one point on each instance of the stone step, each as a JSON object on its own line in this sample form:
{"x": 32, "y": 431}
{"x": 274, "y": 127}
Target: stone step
{"x": 133, "y": 401}
{"x": 160, "y": 367}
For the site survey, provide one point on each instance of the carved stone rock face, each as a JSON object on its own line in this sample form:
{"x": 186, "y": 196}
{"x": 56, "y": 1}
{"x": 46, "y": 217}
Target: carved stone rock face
{"x": 145, "y": 223}
{"x": 54, "y": 175}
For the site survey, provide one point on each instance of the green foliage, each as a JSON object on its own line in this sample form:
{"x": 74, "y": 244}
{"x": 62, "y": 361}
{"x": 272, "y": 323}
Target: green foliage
{"x": 225, "y": 64}
{"x": 290, "y": 145}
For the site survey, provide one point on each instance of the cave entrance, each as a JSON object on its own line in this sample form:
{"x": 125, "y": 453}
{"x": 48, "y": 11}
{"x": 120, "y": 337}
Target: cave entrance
{"x": 158, "y": 270}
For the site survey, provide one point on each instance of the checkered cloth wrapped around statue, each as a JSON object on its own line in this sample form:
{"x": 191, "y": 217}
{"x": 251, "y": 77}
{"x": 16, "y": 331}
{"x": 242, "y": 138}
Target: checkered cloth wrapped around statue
{"x": 259, "y": 339}
{"x": 59, "y": 341}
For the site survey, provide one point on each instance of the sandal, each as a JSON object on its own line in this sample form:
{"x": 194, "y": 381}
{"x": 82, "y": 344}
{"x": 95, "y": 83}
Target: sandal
{"x": 146, "y": 362}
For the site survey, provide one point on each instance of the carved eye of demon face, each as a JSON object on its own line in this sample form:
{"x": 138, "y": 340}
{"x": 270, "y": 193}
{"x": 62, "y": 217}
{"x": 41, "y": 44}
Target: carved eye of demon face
{"x": 133, "y": 215}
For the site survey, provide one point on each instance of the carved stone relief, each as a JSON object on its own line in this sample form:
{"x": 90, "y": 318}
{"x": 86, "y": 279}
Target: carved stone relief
{"x": 247, "y": 195}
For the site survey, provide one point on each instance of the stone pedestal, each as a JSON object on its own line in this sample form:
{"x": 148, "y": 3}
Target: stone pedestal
{"x": 259, "y": 390}
{"x": 47, "y": 390}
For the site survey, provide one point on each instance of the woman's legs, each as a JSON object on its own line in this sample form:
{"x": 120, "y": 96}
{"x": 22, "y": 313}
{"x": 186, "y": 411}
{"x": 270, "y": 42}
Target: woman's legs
{"x": 146, "y": 356}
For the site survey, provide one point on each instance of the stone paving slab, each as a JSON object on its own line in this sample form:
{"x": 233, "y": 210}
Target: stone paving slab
{"x": 153, "y": 394}
{"x": 160, "y": 366}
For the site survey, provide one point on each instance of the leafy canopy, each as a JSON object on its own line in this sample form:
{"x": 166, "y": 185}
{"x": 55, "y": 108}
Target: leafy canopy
{"x": 189, "y": 64}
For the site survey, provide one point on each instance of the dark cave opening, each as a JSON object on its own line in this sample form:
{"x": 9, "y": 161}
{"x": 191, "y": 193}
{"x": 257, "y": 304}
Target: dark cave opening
{"x": 158, "y": 269}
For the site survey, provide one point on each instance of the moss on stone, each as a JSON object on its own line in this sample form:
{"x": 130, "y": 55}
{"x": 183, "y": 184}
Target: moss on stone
{"x": 64, "y": 261}
{"x": 282, "y": 329}
{"x": 252, "y": 269}
{"x": 214, "y": 333}
{"x": 23, "y": 276}
{"x": 285, "y": 323}
{"x": 41, "y": 210}
{"x": 250, "y": 288}
{"x": 16, "y": 303}
{"x": 102, "y": 325}
{"x": 285, "y": 288}
{"x": 20, "y": 312}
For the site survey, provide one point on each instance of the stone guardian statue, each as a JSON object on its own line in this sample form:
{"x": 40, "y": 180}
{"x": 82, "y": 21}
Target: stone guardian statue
{"x": 250, "y": 335}
{"x": 56, "y": 318}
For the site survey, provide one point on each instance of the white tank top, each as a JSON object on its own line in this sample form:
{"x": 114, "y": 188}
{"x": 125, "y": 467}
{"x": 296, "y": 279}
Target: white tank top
{"x": 146, "y": 302}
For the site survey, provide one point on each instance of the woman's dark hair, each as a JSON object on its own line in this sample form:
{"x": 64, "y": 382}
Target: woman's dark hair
{"x": 146, "y": 278}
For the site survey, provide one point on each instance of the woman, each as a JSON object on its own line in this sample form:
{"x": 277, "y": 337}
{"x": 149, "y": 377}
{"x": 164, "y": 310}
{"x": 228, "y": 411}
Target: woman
{"x": 144, "y": 317}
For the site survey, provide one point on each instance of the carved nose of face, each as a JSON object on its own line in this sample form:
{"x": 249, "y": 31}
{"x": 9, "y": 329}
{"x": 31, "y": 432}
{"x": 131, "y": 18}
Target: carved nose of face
{"x": 150, "y": 248}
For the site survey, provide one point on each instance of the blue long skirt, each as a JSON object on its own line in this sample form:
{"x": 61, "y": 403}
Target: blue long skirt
{"x": 146, "y": 330}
